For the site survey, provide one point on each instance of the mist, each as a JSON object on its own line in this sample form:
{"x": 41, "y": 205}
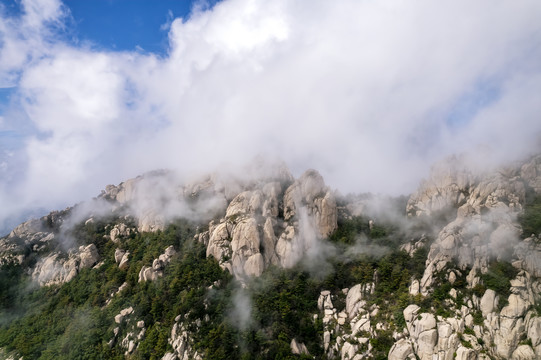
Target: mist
{"x": 369, "y": 94}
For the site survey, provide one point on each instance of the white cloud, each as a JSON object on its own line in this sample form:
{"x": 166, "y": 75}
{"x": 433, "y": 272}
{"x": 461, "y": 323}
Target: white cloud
{"x": 27, "y": 38}
{"x": 362, "y": 91}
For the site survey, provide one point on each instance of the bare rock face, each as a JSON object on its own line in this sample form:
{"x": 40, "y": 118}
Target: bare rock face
{"x": 270, "y": 218}
{"x": 57, "y": 269}
{"x": 531, "y": 173}
{"x": 33, "y": 234}
{"x": 88, "y": 256}
{"x": 346, "y": 334}
{"x": 119, "y": 253}
{"x": 478, "y": 213}
{"x": 310, "y": 192}
{"x": 151, "y": 273}
{"x": 484, "y": 225}
{"x": 447, "y": 187}
{"x": 523, "y": 352}
{"x": 489, "y": 302}
{"x": 528, "y": 253}
{"x": 123, "y": 264}
{"x": 402, "y": 349}
{"x": 27, "y": 229}
{"x": 157, "y": 197}
{"x": 181, "y": 342}
{"x": 272, "y": 221}
{"x": 353, "y": 298}
{"x": 247, "y": 232}
{"x": 119, "y": 231}
{"x": 311, "y": 214}
{"x": 298, "y": 348}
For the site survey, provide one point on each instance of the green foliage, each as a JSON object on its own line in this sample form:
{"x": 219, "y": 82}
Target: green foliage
{"x": 530, "y": 219}
{"x": 537, "y": 308}
{"x": 381, "y": 344}
{"x": 526, "y": 341}
{"x": 479, "y": 290}
{"x": 284, "y": 301}
{"x": 378, "y": 232}
{"x": 417, "y": 267}
{"x": 478, "y": 318}
{"x": 394, "y": 272}
{"x": 72, "y": 321}
{"x": 154, "y": 344}
{"x": 349, "y": 229}
{"x": 11, "y": 284}
{"x": 398, "y": 316}
{"x": 498, "y": 276}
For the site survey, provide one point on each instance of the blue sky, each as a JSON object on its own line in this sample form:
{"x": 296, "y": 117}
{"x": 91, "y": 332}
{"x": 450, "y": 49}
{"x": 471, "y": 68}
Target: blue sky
{"x": 127, "y": 24}
{"x": 370, "y": 93}
{"x": 121, "y": 24}
{"x": 115, "y": 25}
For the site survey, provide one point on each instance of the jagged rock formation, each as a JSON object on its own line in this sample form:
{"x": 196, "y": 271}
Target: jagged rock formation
{"x": 449, "y": 184}
{"x": 483, "y": 209}
{"x": 484, "y": 227}
{"x": 32, "y": 234}
{"x": 275, "y": 222}
{"x": 122, "y": 258}
{"x": 56, "y": 269}
{"x": 120, "y": 231}
{"x": 270, "y": 218}
{"x": 347, "y": 333}
{"x": 298, "y": 348}
{"x": 129, "y": 332}
{"x": 274, "y": 219}
{"x": 151, "y": 273}
{"x": 181, "y": 342}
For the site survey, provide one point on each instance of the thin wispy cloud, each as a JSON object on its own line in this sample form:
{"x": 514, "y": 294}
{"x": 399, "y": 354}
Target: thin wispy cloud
{"x": 368, "y": 93}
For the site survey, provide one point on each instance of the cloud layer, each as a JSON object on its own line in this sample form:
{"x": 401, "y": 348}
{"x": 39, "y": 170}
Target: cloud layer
{"x": 369, "y": 93}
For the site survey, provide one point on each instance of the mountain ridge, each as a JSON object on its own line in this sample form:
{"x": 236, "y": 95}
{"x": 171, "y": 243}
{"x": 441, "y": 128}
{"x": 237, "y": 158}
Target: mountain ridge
{"x": 461, "y": 225}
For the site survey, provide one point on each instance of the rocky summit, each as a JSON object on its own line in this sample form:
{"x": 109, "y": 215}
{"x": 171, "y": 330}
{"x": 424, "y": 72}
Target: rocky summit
{"x": 264, "y": 265}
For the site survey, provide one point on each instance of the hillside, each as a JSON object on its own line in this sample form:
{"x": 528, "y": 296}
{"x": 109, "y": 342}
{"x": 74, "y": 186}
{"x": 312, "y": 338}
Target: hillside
{"x": 266, "y": 266}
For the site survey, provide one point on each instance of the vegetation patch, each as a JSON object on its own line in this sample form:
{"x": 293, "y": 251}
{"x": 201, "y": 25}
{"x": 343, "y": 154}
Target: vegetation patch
{"x": 498, "y": 279}
{"x": 530, "y": 219}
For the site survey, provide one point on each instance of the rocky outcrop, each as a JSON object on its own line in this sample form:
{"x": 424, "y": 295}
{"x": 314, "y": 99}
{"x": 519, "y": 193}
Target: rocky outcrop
{"x": 298, "y": 348}
{"x": 273, "y": 222}
{"x": 528, "y": 256}
{"x": 9, "y": 356}
{"x": 129, "y": 332}
{"x": 120, "y": 231}
{"x": 449, "y": 184}
{"x": 430, "y": 336}
{"x": 151, "y": 273}
{"x": 531, "y": 173}
{"x": 310, "y": 193}
{"x": 122, "y": 258}
{"x": 347, "y": 333}
{"x": 31, "y": 235}
{"x": 181, "y": 342}
{"x": 261, "y": 221}
{"x": 402, "y": 349}
{"x": 270, "y": 219}
{"x": 484, "y": 225}
{"x": 422, "y": 331}
{"x": 479, "y": 226}
{"x": 55, "y": 268}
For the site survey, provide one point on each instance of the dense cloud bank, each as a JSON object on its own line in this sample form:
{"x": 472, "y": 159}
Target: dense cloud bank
{"x": 368, "y": 93}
